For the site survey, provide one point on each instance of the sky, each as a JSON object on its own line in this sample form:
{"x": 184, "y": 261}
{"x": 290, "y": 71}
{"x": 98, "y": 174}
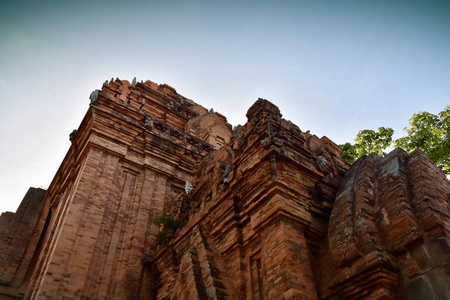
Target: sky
{"x": 332, "y": 67}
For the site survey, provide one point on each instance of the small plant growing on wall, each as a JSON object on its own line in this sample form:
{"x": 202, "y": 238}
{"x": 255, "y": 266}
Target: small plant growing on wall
{"x": 169, "y": 227}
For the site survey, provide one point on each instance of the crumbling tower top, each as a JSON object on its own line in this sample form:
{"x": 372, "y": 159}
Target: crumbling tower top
{"x": 261, "y": 107}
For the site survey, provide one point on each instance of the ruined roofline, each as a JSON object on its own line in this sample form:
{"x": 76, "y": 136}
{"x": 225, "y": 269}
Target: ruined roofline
{"x": 168, "y": 93}
{"x": 271, "y": 211}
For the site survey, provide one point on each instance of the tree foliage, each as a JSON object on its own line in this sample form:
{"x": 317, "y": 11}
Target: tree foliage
{"x": 431, "y": 134}
{"x": 426, "y": 131}
{"x": 350, "y": 153}
{"x": 368, "y": 141}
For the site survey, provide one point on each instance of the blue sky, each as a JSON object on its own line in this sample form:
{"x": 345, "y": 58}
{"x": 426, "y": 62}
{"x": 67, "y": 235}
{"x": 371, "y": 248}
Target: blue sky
{"x": 332, "y": 67}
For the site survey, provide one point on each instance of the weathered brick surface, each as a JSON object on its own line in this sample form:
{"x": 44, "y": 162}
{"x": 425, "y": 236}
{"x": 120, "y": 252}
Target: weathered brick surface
{"x": 274, "y": 214}
{"x": 130, "y": 158}
{"x": 19, "y": 236}
{"x": 393, "y": 209}
{"x": 266, "y": 216}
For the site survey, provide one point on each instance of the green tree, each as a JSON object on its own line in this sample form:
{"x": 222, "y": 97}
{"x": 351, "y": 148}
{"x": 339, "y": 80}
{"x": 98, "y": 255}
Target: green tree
{"x": 350, "y": 153}
{"x": 431, "y": 134}
{"x": 368, "y": 141}
{"x": 426, "y": 131}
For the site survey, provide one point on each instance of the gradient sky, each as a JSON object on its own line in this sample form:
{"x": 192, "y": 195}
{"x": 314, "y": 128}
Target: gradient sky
{"x": 332, "y": 67}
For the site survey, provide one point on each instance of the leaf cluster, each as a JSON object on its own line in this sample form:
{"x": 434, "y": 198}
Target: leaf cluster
{"x": 368, "y": 141}
{"x": 431, "y": 133}
{"x": 426, "y": 131}
{"x": 170, "y": 226}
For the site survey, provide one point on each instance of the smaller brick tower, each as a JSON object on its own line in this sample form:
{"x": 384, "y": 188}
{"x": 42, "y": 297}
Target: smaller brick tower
{"x": 257, "y": 216}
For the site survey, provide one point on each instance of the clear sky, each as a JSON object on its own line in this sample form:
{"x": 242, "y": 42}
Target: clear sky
{"x": 332, "y": 67}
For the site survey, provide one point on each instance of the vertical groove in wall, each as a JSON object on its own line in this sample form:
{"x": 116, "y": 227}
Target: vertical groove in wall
{"x": 80, "y": 228}
{"x": 98, "y": 262}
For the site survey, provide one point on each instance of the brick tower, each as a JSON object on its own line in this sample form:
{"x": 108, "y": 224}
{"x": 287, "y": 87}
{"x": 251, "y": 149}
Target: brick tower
{"x": 269, "y": 211}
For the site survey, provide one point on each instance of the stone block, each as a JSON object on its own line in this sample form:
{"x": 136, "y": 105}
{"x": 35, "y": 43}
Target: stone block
{"x": 420, "y": 289}
{"x": 438, "y": 251}
{"x": 420, "y": 256}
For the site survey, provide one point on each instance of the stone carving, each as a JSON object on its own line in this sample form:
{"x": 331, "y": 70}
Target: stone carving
{"x": 93, "y": 97}
{"x": 273, "y": 166}
{"x": 148, "y": 123}
{"x": 225, "y": 173}
{"x": 188, "y": 187}
{"x": 323, "y": 164}
{"x": 72, "y": 135}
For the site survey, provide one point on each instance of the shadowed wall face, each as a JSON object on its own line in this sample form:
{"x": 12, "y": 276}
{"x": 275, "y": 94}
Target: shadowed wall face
{"x": 20, "y": 234}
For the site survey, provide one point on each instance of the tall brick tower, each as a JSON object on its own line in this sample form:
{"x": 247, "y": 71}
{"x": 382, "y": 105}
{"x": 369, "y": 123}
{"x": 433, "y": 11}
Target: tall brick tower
{"x": 270, "y": 211}
{"x": 129, "y": 159}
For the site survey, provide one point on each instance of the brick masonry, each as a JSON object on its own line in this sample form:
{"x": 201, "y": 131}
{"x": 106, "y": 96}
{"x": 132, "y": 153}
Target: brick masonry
{"x": 274, "y": 213}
